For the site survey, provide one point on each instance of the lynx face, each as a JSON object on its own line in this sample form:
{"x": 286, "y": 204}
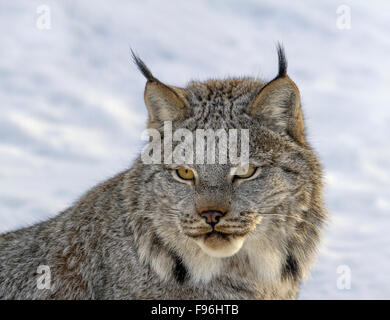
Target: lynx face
{"x": 220, "y": 206}
{"x": 217, "y": 208}
{"x": 218, "y": 224}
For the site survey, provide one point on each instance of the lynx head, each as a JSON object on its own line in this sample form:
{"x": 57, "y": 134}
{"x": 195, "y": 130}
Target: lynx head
{"x": 219, "y": 206}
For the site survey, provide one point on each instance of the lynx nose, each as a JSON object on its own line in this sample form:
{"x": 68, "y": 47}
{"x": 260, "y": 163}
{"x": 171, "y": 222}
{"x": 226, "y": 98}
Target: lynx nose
{"x": 211, "y": 216}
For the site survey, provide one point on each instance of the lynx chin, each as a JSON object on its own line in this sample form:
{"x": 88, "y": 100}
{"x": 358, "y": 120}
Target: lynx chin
{"x": 195, "y": 230}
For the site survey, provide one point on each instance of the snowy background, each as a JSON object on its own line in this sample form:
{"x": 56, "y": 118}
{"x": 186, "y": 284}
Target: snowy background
{"x": 71, "y": 105}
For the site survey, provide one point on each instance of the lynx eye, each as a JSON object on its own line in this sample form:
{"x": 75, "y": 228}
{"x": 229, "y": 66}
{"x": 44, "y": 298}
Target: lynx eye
{"x": 245, "y": 172}
{"x": 185, "y": 174}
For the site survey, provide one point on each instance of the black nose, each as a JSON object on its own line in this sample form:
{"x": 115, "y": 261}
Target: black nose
{"x": 211, "y": 216}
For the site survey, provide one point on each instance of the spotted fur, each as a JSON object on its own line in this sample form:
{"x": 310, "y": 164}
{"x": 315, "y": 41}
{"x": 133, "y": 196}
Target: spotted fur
{"x": 139, "y": 235}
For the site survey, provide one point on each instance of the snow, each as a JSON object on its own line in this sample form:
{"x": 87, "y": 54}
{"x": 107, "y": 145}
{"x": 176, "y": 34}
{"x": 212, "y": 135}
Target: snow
{"x": 72, "y": 112}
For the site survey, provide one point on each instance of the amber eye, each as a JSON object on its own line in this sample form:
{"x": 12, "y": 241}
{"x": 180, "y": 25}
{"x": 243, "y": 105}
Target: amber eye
{"x": 185, "y": 174}
{"x": 245, "y": 172}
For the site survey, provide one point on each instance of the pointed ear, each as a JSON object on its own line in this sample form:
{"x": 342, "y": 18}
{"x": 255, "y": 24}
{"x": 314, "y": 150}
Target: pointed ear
{"x": 278, "y": 104}
{"x": 164, "y": 103}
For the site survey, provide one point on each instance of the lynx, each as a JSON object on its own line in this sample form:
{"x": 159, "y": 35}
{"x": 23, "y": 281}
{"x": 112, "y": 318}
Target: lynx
{"x": 188, "y": 231}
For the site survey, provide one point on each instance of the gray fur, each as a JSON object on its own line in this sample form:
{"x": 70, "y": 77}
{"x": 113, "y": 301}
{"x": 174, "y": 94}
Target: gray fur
{"x": 133, "y": 236}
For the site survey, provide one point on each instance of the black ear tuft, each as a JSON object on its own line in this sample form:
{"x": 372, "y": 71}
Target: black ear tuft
{"x": 142, "y": 67}
{"x": 282, "y": 61}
